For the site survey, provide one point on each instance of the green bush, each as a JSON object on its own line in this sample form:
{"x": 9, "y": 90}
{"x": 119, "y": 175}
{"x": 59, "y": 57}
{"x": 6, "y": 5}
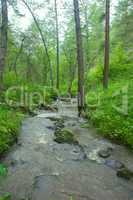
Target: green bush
{"x": 9, "y": 127}
{"x": 111, "y": 111}
{"x": 108, "y": 115}
{"x": 29, "y": 96}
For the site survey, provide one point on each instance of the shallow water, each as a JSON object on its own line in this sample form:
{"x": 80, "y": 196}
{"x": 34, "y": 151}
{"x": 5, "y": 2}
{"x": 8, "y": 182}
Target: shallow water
{"x": 41, "y": 169}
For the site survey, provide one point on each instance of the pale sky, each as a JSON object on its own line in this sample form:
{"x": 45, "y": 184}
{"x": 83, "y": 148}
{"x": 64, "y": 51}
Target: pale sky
{"x": 23, "y": 22}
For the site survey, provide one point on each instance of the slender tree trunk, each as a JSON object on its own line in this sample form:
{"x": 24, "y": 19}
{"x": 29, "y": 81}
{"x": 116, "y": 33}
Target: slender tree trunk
{"x": 106, "y": 56}
{"x": 80, "y": 59}
{"x": 84, "y": 4}
{"x": 14, "y": 67}
{"x": 57, "y": 47}
{"x": 29, "y": 70}
{"x": 72, "y": 69}
{"x": 43, "y": 40}
{"x": 87, "y": 37}
{"x": 3, "y": 41}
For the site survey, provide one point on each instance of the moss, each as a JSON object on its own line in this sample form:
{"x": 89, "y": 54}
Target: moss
{"x": 6, "y": 197}
{"x": 125, "y": 173}
{"x": 65, "y": 136}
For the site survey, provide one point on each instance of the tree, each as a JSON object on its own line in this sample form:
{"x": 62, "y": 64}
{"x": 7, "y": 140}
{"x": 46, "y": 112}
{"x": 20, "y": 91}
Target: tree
{"x": 43, "y": 40}
{"x": 123, "y": 25}
{"x": 57, "y": 47}
{"x": 4, "y": 37}
{"x": 86, "y": 27}
{"x": 106, "y": 56}
{"x": 79, "y": 59}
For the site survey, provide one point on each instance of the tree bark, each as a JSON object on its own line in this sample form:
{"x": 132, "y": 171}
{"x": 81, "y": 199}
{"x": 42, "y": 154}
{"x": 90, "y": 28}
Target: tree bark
{"x": 80, "y": 59}
{"x": 43, "y": 40}
{"x": 57, "y": 47}
{"x": 106, "y": 54}
{"x": 4, "y": 37}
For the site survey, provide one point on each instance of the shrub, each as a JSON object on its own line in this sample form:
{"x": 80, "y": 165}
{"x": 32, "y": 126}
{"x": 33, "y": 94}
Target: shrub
{"x": 9, "y": 127}
{"x": 105, "y": 106}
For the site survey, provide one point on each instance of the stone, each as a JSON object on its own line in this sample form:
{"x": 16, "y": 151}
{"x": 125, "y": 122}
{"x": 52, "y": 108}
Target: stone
{"x": 19, "y": 143}
{"x": 59, "y": 124}
{"x": 125, "y": 173}
{"x": 114, "y": 164}
{"x": 105, "y": 153}
{"x": 65, "y": 136}
{"x": 47, "y": 107}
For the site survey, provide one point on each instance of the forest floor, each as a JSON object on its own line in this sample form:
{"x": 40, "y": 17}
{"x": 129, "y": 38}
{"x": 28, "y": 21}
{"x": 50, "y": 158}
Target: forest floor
{"x": 41, "y": 169}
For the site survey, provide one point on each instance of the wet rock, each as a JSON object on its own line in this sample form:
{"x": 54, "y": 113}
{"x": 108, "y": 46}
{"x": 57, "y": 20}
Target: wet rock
{"x": 13, "y": 163}
{"x": 53, "y": 119}
{"x": 32, "y": 113}
{"x": 114, "y": 164}
{"x": 59, "y": 124}
{"x": 65, "y": 136}
{"x": 50, "y": 128}
{"x": 66, "y": 100}
{"x": 125, "y": 173}
{"x": 48, "y": 107}
{"x": 105, "y": 153}
{"x": 93, "y": 156}
{"x": 19, "y": 143}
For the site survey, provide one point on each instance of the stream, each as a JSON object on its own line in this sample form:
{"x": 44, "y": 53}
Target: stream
{"x": 41, "y": 169}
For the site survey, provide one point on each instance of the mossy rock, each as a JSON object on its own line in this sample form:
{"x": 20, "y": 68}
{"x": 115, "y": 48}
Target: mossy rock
{"x": 65, "y": 136}
{"x": 59, "y": 124}
{"x": 125, "y": 173}
{"x": 85, "y": 125}
{"x": 6, "y": 197}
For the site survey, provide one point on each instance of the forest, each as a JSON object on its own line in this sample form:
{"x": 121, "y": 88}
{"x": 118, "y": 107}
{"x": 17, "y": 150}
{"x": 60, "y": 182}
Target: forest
{"x": 67, "y": 49}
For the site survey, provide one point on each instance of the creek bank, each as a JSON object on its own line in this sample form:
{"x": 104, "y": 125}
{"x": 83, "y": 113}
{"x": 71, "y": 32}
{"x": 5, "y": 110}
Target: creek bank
{"x": 42, "y": 169}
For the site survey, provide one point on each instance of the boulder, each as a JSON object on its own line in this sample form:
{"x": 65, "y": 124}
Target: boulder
{"x": 105, "y": 153}
{"x": 65, "y": 136}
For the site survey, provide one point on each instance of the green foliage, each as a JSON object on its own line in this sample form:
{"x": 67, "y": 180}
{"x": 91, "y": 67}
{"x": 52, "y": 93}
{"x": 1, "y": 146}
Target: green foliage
{"x": 111, "y": 110}
{"x": 29, "y": 96}
{"x": 9, "y": 127}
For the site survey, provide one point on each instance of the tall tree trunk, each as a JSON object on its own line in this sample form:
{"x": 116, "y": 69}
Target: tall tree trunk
{"x": 43, "y": 40}
{"x": 29, "y": 70}
{"x": 85, "y": 7}
{"x": 14, "y": 66}
{"x": 87, "y": 37}
{"x": 79, "y": 59}
{"x": 72, "y": 69}
{"x": 106, "y": 56}
{"x": 3, "y": 42}
{"x": 57, "y": 47}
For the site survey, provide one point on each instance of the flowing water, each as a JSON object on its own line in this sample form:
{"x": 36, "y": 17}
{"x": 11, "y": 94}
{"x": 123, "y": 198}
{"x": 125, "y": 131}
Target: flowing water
{"x": 41, "y": 169}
